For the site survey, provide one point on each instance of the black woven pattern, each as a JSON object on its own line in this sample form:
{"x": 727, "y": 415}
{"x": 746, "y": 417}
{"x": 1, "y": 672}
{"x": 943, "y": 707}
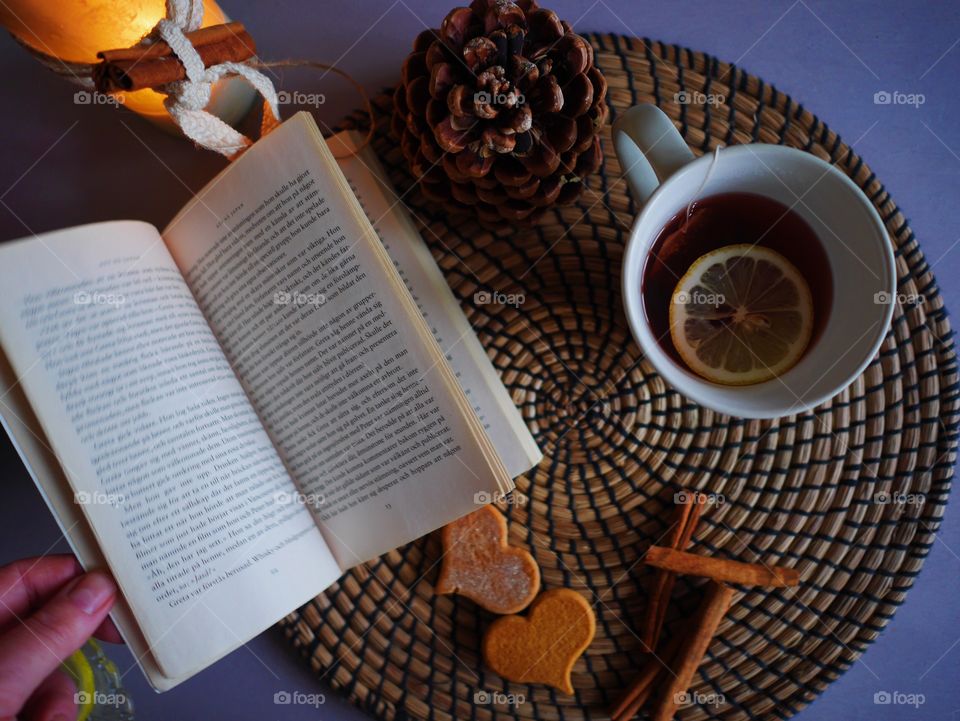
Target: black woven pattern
{"x": 618, "y": 443}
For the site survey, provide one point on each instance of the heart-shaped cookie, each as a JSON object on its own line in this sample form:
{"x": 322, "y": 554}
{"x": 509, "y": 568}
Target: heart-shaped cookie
{"x": 542, "y": 647}
{"x": 478, "y": 563}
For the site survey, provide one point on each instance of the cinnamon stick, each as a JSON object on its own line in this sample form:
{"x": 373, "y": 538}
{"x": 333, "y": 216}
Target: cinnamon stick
{"x": 651, "y": 676}
{"x": 712, "y": 609}
{"x": 721, "y": 569}
{"x": 686, "y": 517}
{"x": 640, "y": 689}
{"x": 147, "y": 66}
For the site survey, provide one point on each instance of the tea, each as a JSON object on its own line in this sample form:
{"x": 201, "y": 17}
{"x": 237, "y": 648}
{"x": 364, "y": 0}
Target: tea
{"x": 728, "y": 219}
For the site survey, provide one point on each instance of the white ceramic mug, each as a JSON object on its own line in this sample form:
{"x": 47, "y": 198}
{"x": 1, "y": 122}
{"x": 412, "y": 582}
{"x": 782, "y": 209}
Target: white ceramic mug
{"x": 664, "y": 177}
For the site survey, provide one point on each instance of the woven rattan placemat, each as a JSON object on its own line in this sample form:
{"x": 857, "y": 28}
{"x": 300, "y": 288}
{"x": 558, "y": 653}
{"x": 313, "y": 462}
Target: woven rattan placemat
{"x": 851, "y": 494}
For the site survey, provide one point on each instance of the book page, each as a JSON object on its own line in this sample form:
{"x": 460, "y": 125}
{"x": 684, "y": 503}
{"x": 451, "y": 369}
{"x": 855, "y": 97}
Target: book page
{"x": 437, "y": 304}
{"x": 180, "y": 485}
{"x": 335, "y": 358}
{"x": 27, "y": 437}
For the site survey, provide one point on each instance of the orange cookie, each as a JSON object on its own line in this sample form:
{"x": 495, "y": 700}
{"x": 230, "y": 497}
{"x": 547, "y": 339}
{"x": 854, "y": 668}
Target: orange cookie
{"x": 542, "y": 647}
{"x": 478, "y": 563}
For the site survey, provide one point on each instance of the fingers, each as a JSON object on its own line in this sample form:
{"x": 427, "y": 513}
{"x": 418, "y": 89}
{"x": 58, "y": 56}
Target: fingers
{"x": 26, "y": 584}
{"x": 32, "y": 650}
{"x": 55, "y": 699}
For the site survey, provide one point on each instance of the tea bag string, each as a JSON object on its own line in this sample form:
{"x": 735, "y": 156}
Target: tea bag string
{"x": 703, "y": 184}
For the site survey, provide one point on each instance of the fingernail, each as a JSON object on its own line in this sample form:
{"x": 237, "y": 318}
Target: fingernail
{"x": 92, "y": 592}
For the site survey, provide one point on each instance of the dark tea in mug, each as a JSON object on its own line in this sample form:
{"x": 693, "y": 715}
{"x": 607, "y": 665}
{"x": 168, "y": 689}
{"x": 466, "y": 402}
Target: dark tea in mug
{"x": 726, "y": 219}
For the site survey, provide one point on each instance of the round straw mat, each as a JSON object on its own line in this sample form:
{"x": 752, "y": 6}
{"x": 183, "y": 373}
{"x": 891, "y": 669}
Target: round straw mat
{"x": 851, "y": 493}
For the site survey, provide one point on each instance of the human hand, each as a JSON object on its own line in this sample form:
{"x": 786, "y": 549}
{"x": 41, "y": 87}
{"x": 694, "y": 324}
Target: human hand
{"x": 48, "y": 609}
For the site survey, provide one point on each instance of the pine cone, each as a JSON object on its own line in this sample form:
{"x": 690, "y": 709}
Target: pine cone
{"x": 499, "y": 111}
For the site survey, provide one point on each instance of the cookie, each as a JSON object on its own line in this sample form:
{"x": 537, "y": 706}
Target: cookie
{"x": 543, "y": 646}
{"x": 478, "y": 564}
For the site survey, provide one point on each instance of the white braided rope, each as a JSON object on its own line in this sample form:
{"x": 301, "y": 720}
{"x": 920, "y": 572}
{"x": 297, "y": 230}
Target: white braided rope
{"x": 187, "y": 99}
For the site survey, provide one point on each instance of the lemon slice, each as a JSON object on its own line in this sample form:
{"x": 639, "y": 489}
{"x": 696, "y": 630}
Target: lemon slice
{"x": 79, "y": 669}
{"x": 741, "y": 314}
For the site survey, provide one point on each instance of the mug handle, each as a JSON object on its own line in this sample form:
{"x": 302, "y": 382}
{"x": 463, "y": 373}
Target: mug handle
{"x": 650, "y": 149}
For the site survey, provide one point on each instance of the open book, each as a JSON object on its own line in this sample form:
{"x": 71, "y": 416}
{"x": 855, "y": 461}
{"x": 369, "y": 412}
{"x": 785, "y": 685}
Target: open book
{"x": 232, "y": 412}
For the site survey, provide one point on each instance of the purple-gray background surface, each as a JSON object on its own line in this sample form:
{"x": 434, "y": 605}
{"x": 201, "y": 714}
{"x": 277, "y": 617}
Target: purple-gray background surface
{"x": 65, "y": 164}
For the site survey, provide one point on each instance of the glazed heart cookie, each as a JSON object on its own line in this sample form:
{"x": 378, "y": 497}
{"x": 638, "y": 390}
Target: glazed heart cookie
{"x": 542, "y": 647}
{"x": 478, "y": 563}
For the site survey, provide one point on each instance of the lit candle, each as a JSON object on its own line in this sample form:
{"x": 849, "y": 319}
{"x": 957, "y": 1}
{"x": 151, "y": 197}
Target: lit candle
{"x": 76, "y": 30}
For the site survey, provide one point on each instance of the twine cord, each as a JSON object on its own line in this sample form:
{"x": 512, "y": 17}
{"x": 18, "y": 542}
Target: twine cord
{"x": 367, "y": 105}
